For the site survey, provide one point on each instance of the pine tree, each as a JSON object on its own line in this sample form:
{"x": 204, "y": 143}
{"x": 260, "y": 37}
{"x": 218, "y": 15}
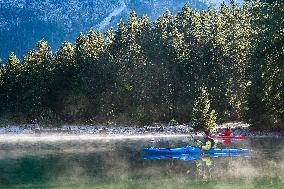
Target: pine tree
{"x": 94, "y": 45}
{"x": 2, "y": 88}
{"x": 13, "y": 61}
{"x": 12, "y": 83}
{"x": 265, "y": 97}
{"x": 65, "y": 54}
{"x": 36, "y": 78}
{"x": 203, "y": 116}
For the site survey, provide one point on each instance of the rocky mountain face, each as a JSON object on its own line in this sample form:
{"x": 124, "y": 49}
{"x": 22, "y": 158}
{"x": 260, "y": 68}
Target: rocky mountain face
{"x": 24, "y": 22}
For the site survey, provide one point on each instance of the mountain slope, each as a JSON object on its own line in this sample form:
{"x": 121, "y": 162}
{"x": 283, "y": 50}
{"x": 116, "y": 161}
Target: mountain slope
{"x": 24, "y": 22}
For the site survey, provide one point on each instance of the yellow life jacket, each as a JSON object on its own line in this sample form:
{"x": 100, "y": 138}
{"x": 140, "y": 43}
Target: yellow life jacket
{"x": 206, "y": 144}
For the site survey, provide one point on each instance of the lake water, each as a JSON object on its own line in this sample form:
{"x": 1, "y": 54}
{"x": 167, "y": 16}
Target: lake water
{"x": 117, "y": 163}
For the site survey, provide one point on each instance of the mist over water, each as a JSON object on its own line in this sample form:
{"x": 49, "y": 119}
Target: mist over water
{"x": 115, "y": 162}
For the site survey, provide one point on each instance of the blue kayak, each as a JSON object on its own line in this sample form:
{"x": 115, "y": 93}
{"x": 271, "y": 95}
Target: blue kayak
{"x": 190, "y": 157}
{"x": 185, "y": 157}
{"x": 191, "y": 150}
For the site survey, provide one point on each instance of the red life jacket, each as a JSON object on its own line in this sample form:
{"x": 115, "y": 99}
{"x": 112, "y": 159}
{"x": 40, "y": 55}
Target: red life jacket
{"x": 227, "y": 133}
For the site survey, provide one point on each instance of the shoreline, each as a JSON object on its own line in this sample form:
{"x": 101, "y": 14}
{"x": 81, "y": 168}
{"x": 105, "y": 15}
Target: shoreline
{"x": 12, "y": 138}
{"x": 99, "y": 131}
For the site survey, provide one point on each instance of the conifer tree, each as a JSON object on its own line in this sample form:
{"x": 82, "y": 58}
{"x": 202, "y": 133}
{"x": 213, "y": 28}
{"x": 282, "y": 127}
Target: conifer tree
{"x": 12, "y": 85}
{"x": 2, "y": 84}
{"x": 65, "y": 54}
{"x": 265, "y": 100}
{"x": 13, "y": 61}
{"x": 94, "y": 45}
{"x": 203, "y": 116}
{"x": 37, "y": 78}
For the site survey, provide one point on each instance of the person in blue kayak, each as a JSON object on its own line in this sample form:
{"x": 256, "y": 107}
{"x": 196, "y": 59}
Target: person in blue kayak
{"x": 205, "y": 143}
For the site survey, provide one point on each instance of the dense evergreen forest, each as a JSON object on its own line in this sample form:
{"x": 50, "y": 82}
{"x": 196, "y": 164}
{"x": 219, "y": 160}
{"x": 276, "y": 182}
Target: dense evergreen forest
{"x": 223, "y": 64}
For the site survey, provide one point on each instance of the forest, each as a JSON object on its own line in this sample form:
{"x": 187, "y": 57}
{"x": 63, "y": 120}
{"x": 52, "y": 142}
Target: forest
{"x": 217, "y": 65}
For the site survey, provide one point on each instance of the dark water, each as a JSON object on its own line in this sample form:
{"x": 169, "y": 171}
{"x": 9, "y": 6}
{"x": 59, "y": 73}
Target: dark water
{"x": 118, "y": 163}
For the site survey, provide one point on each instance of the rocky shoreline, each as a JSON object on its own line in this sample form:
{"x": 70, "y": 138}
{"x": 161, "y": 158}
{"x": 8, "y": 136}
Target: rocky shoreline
{"x": 238, "y": 128}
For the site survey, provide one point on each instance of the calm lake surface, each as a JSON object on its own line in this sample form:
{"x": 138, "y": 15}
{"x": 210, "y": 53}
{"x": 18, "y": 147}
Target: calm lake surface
{"x": 113, "y": 162}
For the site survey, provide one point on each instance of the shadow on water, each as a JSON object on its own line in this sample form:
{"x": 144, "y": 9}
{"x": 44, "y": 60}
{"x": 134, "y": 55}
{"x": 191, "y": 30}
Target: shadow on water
{"x": 119, "y": 164}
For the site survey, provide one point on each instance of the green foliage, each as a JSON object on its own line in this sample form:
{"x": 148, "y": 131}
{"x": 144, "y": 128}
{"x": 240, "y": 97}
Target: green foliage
{"x": 265, "y": 99}
{"x": 13, "y": 61}
{"x": 2, "y": 84}
{"x": 173, "y": 122}
{"x": 147, "y": 72}
{"x": 203, "y": 116}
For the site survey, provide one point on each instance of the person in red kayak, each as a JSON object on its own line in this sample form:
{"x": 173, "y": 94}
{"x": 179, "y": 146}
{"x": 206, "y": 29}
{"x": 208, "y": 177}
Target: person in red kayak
{"x": 206, "y": 143}
{"x": 227, "y": 132}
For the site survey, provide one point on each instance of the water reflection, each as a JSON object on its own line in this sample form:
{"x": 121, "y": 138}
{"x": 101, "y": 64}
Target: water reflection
{"x": 118, "y": 164}
{"x": 203, "y": 163}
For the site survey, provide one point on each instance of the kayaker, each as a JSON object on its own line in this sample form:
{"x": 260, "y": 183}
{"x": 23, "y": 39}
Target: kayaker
{"x": 227, "y": 132}
{"x": 206, "y": 143}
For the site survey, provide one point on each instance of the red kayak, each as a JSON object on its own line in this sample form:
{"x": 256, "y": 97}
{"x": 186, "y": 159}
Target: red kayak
{"x": 227, "y": 137}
